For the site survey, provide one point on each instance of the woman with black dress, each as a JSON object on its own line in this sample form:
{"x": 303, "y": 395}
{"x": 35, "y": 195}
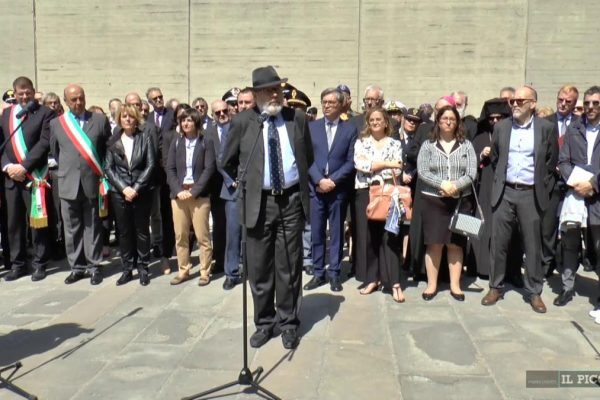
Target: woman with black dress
{"x": 447, "y": 167}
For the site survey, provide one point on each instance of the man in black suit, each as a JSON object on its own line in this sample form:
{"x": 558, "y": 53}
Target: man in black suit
{"x": 25, "y": 157}
{"x": 214, "y": 132}
{"x": 566, "y": 100}
{"x": 524, "y": 158}
{"x": 277, "y": 204}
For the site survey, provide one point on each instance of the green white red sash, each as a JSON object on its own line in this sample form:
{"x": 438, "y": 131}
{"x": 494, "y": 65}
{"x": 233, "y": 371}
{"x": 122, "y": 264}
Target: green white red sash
{"x": 88, "y": 151}
{"x": 38, "y": 217}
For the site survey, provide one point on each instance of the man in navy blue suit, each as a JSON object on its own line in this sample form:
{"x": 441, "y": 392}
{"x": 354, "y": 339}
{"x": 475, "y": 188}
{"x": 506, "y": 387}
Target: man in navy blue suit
{"x": 331, "y": 179}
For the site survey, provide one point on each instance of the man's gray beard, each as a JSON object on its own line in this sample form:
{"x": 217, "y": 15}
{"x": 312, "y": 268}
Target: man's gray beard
{"x": 271, "y": 109}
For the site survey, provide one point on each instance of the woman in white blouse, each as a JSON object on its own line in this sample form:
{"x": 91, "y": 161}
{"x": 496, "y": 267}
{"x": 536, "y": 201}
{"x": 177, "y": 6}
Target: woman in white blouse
{"x": 377, "y": 252}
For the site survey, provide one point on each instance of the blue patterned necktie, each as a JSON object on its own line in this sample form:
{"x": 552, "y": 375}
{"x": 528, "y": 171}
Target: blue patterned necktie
{"x": 275, "y": 160}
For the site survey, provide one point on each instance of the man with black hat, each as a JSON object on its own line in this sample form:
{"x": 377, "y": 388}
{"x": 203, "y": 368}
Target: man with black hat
{"x": 277, "y": 202}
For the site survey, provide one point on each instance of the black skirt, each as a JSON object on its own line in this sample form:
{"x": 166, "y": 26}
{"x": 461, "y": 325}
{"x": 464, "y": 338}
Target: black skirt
{"x": 436, "y": 214}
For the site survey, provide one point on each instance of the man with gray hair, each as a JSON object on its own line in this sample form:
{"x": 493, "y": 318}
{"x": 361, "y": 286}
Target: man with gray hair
{"x": 331, "y": 180}
{"x": 461, "y": 102}
{"x": 373, "y": 98}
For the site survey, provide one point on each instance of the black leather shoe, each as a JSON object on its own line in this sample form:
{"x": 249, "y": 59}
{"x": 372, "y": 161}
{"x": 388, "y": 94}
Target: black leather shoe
{"x": 587, "y": 265}
{"x": 309, "y": 269}
{"x": 289, "y": 338}
{"x": 314, "y": 283}
{"x": 156, "y": 252}
{"x": 74, "y": 277}
{"x": 14, "y": 274}
{"x": 563, "y": 298}
{"x": 457, "y": 296}
{"x": 38, "y": 274}
{"x": 429, "y": 296}
{"x": 231, "y": 282}
{"x": 126, "y": 276}
{"x": 144, "y": 277}
{"x": 260, "y": 337}
{"x": 96, "y": 278}
{"x": 335, "y": 284}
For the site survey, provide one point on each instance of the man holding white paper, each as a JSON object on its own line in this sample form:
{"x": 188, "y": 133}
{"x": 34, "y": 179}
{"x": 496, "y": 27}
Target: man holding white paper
{"x": 579, "y": 164}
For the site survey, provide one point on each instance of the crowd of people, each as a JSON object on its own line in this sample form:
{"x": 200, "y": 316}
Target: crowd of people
{"x": 161, "y": 173}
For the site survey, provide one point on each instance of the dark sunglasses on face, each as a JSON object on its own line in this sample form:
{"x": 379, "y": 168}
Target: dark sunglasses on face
{"x": 494, "y": 118}
{"x": 222, "y": 112}
{"x": 594, "y": 103}
{"x": 518, "y": 102}
{"x": 157, "y": 97}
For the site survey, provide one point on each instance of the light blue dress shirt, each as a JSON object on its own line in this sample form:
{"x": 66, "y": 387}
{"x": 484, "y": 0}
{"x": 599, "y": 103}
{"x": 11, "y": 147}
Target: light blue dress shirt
{"x": 521, "y": 151}
{"x": 290, "y": 169}
{"x": 190, "y": 145}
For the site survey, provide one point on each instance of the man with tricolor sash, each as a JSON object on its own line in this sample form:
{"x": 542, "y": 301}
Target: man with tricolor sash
{"x": 25, "y": 165}
{"x": 78, "y": 141}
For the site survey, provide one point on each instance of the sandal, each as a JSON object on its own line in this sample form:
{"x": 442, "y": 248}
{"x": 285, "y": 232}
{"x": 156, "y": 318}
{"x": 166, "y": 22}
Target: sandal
{"x": 397, "y": 294}
{"x": 370, "y": 288}
{"x": 204, "y": 280}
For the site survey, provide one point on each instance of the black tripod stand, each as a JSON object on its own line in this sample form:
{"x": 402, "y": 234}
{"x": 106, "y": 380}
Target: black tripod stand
{"x": 7, "y": 384}
{"x": 246, "y": 377}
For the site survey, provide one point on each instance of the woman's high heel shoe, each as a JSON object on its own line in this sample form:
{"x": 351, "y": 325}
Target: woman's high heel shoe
{"x": 429, "y": 296}
{"x": 457, "y": 296}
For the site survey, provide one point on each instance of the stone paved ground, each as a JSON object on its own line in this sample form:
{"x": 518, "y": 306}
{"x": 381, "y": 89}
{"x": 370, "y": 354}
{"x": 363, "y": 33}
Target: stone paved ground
{"x": 161, "y": 342}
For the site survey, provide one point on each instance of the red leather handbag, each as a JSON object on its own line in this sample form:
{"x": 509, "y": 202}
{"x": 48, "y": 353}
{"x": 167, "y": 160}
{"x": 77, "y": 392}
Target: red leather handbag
{"x": 380, "y": 199}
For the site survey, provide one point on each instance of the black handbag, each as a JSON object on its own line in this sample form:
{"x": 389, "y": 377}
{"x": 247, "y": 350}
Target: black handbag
{"x": 465, "y": 224}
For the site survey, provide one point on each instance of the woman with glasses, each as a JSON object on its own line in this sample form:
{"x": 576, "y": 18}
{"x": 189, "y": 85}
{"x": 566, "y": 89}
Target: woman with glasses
{"x": 190, "y": 166}
{"x": 447, "y": 167}
{"x": 377, "y": 254}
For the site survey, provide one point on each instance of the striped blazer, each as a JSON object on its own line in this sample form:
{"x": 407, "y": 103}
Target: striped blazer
{"x": 435, "y": 166}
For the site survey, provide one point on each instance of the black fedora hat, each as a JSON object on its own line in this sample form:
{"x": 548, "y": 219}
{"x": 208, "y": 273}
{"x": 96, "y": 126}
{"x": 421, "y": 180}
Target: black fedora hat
{"x": 265, "y": 77}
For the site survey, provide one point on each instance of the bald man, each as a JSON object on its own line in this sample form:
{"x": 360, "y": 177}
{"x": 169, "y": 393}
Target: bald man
{"x": 78, "y": 142}
{"x": 524, "y": 158}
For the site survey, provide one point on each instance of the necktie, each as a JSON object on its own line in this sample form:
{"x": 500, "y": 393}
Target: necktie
{"x": 563, "y": 126}
{"x": 275, "y": 159}
{"x": 223, "y": 142}
{"x": 157, "y": 119}
{"x": 329, "y": 135}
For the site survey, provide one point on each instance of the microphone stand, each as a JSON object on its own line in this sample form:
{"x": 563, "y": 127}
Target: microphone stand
{"x": 5, "y": 382}
{"x": 246, "y": 377}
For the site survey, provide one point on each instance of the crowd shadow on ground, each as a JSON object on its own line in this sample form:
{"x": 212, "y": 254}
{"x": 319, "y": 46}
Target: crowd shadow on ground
{"x": 22, "y": 343}
{"x": 316, "y": 307}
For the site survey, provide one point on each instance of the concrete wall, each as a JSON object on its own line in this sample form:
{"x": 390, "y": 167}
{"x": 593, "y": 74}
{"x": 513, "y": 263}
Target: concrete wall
{"x": 416, "y": 50}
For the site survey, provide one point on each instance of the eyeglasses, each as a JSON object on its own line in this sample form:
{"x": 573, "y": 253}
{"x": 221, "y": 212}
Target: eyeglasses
{"x": 518, "y": 102}
{"x": 371, "y": 100}
{"x": 448, "y": 120}
{"x": 494, "y": 118}
{"x": 156, "y": 98}
{"x": 594, "y": 103}
{"x": 329, "y": 103}
{"x": 222, "y": 112}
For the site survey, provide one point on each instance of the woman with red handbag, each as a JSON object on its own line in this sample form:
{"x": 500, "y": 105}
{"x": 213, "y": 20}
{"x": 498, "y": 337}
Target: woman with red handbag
{"x": 447, "y": 166}
{"x": 376, "y": 158}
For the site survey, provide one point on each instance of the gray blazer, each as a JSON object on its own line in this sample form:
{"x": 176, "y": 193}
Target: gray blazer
{"x": 545, "y": 157}
{"x": 73, "y": 169}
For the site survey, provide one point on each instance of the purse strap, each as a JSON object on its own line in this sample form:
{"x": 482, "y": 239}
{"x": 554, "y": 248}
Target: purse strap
{"x": 476, "y": 202}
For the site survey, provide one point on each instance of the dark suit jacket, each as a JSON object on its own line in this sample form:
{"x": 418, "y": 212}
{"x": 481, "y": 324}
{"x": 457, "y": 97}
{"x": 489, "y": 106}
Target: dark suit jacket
{"x": 245, "y": 131}
{"x": 574, "y": 153}
{"x": 554, "y": 119}
{"x": 545, "y": 156}
{"x": 223, "y": 183}
{"x": 167, "y": 123}
{"x": 203, "y": 167}
{"x": 340, "y": 158}
{"x": 73, "y": 169}
{"x": 36, "y": 132}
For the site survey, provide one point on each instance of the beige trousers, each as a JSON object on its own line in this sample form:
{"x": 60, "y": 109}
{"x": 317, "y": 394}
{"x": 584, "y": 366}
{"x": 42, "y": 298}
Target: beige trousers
{"x": 186, "y": 213}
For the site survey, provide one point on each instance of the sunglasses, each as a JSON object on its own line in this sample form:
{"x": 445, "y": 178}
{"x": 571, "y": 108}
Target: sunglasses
{"x": 594, "y": 103}
{"x": 222, "y": 112}
{"x": 157, "y": 97}
{"x": 494, "y": 118}
{"x": 519, "y": 102}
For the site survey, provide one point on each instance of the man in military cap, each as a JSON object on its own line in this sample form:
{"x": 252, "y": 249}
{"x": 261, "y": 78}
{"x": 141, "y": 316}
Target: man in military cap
{"x": 396, "y": 110}
{"x": 298, "y": 99}
{"x": 230, "y": 97}
{"x": 8, "y": 99}
{"x": 347, "y": 112}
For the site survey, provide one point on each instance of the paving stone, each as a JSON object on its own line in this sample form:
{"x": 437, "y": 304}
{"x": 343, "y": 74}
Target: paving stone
{"x": 453, "y": 387}
{"x": 174, "y": 327}
{"x": 52, "y": 303}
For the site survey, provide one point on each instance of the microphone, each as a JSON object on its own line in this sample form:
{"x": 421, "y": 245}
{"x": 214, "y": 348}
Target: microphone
{"x": 27, "y": 109}
{"x": 263, "y": 117}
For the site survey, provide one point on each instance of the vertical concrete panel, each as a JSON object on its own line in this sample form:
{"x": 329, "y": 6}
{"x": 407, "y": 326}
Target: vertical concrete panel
{"x": 564, "y": 46}
{"x": 418, "y": 51}
{"x": 16, "y": 41}
{"x": 112, "y": 47}
{"x": 313, "y": 43}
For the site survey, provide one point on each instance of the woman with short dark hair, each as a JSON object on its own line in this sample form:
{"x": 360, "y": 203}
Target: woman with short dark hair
{"x": 190, "y": 167}
{"x": 447, "y": 167}
{"x": 130, "y": 159}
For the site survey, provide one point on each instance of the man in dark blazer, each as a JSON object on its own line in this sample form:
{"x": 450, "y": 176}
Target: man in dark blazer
{"x": 78, "y": 184}
{"x": 214, "y": 133}
{"x": 36, "y": 136}
{"x": 524, "y": 158}
{"x": 331, "y": 179}
{"x": 566, "y": 100}
{"x": 271, "y": 146}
